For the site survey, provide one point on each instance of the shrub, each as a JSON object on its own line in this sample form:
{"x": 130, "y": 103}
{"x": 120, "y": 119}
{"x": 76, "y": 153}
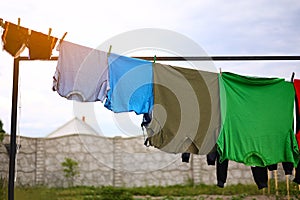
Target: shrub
{"x": 2, "y": 132}
{"x": 71, "y": 170}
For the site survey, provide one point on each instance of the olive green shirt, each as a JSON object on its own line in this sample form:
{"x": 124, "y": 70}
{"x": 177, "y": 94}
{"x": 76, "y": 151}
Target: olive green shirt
{"x": 186, "y": 113}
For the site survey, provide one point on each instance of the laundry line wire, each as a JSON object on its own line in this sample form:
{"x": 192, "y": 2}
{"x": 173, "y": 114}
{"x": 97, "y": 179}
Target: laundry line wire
{"x": 198, "y": 58}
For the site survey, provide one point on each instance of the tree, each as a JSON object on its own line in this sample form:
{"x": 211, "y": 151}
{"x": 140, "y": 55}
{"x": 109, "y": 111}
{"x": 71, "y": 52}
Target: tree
{"x": 71, "y": 170}
{"x": 2, "y": 132}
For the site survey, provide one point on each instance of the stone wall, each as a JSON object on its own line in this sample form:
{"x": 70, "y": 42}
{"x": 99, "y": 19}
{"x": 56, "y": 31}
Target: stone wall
{"x": 114, "y": 161}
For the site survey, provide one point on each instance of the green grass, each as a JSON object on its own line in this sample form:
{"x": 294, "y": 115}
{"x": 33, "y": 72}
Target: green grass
{"x": 178, "y": 192}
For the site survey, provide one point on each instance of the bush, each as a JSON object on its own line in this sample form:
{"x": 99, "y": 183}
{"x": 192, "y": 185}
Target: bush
{"x": 2, "y": 132}
{"x": 71, "y": 170}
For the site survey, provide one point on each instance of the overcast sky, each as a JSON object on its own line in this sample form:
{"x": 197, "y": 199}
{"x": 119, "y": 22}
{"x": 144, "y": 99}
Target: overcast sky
{"x": 250, "y": 27}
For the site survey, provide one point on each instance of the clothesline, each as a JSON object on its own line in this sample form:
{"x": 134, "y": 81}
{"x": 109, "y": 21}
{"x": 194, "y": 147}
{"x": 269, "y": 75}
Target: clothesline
{"x": 200, "y": 58}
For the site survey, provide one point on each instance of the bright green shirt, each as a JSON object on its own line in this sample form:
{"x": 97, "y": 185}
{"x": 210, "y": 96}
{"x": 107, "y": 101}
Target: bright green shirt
{"x": 257, "y": 120}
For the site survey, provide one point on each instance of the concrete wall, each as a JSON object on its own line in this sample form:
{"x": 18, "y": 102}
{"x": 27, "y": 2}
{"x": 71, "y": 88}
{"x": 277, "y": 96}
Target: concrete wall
{"x": 111, "y": 161}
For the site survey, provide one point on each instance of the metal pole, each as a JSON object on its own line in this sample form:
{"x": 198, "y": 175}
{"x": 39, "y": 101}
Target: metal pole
{"x": 12, "y": 156}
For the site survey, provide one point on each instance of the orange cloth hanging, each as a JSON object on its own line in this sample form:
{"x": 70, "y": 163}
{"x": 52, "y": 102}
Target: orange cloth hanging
{"x": 14, "y": 39}
{"x": 40, "y": 45}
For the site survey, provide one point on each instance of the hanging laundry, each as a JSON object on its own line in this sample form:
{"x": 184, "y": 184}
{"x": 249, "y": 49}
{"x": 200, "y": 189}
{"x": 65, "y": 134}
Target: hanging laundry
{"x": 297, "y": 90}
{"x": 14, "y": 39}
{"x": 211, "y": 158}
{"x": 272, "y": 167}
{"x": 186, "y": 115}
{"x": 287, "y": 167}
{"x": 260, "y": 175}
{"x": 130, "y": 85}
{"x": 221, "y": 169}
{"x": 185, "y": 157}
{"x": 146, "y": 119}
{"x": 297, "y": 175}
{"x": 81, "y": 73}
{"x": 40, "y": 45}
{"x": 253, "y": 111}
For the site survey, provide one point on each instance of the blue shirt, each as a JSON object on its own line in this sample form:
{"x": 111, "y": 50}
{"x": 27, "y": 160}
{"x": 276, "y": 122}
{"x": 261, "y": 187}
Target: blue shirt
{"x": 131, "y": 85}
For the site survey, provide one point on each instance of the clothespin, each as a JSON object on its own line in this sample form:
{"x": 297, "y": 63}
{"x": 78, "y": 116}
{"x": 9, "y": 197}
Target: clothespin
{"x": 292, "y": 78}
{"x": 109, "y": 50}
{"x": 154, "y": 59}
{"x": 49, "y": 33}
{"x": 220, "y": 71}
{"x": 19, "y": 22}
{"x": 1, "y": 23}
{"x": 63, "y": 37}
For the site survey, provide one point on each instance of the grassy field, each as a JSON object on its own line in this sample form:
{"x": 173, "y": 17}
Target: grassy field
{"x": 178, "y": 192}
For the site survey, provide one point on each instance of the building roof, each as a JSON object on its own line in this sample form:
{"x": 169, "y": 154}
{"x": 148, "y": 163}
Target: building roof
{"x": 74, "y": 126}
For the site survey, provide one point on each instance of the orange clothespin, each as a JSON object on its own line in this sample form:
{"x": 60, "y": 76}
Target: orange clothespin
{"x": 63, "y": 37}
{"x": 1, "y": 23}
{"x": 49, "y": 33}
{"x": 19, "y": 22}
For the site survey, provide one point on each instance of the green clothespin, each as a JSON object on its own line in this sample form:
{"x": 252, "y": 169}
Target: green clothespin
{"x": 154, "y": 59}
